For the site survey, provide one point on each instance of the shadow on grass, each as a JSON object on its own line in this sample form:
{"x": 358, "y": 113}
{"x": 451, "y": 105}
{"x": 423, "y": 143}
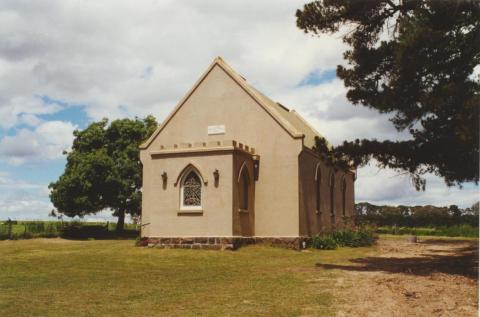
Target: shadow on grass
{"x": 97, "y": 233}
{"x": 461, "y": 261}
{"x": 112, "y": 236}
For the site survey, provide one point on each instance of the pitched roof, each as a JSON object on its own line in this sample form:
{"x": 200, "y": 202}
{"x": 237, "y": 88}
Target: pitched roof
{"x": 294, "y": 119}
{"x": 289, "y": 120}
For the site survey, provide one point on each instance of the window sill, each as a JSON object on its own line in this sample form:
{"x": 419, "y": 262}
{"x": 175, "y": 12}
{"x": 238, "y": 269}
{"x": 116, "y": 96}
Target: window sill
{"x": 243, "y": 211}
{"x": 190, "y": 212}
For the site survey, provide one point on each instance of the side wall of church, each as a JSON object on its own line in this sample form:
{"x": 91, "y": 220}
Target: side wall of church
{"x": 316, "y": 219}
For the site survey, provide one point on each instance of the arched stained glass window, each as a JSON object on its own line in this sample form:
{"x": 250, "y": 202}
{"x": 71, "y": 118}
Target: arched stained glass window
{"x": 192, "y": 190}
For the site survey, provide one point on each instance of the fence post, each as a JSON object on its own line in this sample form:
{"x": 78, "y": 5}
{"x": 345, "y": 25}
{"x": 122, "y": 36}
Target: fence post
{"x": 9, "y": 230}
{"x": 10, "y": 223}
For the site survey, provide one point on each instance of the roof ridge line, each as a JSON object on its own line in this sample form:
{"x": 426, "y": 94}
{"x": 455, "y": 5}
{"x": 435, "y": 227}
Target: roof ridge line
{"x": 250, "y": 90}
{"x": 310, "y": 126}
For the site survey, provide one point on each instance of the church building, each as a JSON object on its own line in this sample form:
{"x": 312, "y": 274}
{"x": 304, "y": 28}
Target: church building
{"x": 229, "y": 166}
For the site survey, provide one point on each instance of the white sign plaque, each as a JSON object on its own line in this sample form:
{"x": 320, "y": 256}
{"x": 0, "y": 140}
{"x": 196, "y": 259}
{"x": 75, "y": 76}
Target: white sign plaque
{"x": 216, "y": 129}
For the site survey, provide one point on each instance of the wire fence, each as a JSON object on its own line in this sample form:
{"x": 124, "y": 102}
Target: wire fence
{"x": 12, "y": 230}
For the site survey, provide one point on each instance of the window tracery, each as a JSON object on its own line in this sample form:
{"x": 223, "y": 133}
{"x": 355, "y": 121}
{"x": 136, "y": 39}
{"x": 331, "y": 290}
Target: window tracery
{"x": 192, "y": 190}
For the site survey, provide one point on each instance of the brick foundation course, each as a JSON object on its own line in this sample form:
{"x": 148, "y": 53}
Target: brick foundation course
{"x": 224, "y": 243}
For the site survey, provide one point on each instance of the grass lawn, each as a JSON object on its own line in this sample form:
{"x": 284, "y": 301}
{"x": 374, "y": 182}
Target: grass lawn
{"x": 56, "y": 277}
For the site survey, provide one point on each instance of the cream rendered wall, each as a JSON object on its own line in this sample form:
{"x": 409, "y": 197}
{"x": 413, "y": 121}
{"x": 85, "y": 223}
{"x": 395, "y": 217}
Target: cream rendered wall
{"x": 218, "y": 100}
{"x": 160, "y": 206}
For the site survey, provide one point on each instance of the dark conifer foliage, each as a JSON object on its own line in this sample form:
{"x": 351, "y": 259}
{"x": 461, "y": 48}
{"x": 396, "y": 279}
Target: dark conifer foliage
{"x": 414, "y": 60}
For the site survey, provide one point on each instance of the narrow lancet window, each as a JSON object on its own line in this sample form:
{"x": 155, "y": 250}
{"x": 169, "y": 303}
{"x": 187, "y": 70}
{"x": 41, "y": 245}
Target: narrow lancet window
{"x": 332, "y": 194}
{"x": 244, "y": 186}
{"x": 318, "y": 183}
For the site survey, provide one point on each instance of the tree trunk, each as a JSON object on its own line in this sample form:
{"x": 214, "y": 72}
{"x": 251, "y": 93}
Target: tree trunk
{"x": 121, "y": 221}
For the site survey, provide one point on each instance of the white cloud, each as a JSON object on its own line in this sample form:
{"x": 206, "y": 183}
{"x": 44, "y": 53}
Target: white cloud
{"x": 130, "y": 58}
{"x": 25, "y": 209}
{"x": 46, "y": 142}
{"x": 21, "y": 199}
{"x": 16, "y": 109}
{"x": 476, "y": 73}
{"x": 328, "y": 110}
{"x": 6, "y": 183}
{"x": 96, "y": 53}
{"x": 389, "y": 187}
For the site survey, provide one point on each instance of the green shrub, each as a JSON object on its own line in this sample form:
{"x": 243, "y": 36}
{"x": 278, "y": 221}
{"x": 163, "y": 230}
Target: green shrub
{"x": 35, "y": 227}
{"x": 27, "y": 235}
{"x": 75, "y": 231}
{"x": 344, "y": 238}
{"x": 50, "y": 231}
{"x": 324, "y": 242}
{"x": 364, "y": 238}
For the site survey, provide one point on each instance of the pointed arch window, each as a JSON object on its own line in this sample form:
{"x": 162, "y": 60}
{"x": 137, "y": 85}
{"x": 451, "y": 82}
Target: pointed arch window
{"x": 191, "y": 191}
{"x": 318, "y": 183}
{"x": 344, "y": 196}
{"x": 245, "y": 184}
{"x": 332, "y": 194}
{"x": 243, "y": 189}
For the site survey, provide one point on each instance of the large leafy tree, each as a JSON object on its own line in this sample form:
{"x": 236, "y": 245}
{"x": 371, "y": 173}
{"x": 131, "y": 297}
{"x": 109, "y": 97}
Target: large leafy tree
{"x": 415, "y": 60}
{"x": 103, "y": 170}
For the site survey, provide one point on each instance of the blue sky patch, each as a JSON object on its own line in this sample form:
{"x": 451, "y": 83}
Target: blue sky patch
{"x": 317, "y": 77}
{"x": 73, "y": 113}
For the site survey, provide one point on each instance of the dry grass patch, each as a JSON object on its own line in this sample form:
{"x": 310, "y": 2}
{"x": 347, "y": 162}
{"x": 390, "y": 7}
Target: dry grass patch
{"x": 435, "y": 277}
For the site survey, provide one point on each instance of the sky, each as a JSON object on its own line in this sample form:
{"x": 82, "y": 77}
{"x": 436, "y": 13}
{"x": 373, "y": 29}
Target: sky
{"x": 66, "y": 63}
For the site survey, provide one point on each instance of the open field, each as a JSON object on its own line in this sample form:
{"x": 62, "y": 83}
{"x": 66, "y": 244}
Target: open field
{"x": 50, "y": 229}
{"x": 106, "y": 230}
{"x": 464, "y": 230}
{"x": 57, "y": 277}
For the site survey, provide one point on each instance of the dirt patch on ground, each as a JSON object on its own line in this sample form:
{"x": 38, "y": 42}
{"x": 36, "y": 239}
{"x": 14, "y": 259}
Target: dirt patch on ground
{"x": 434, "y": 277}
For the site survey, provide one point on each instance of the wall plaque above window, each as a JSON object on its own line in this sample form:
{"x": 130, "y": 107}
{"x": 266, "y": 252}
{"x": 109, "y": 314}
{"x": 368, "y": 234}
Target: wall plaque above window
{"x": 216, "y": 129}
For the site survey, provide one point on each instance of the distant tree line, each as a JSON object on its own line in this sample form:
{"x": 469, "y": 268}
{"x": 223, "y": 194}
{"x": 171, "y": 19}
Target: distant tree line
{"x": 416, "y": 216}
